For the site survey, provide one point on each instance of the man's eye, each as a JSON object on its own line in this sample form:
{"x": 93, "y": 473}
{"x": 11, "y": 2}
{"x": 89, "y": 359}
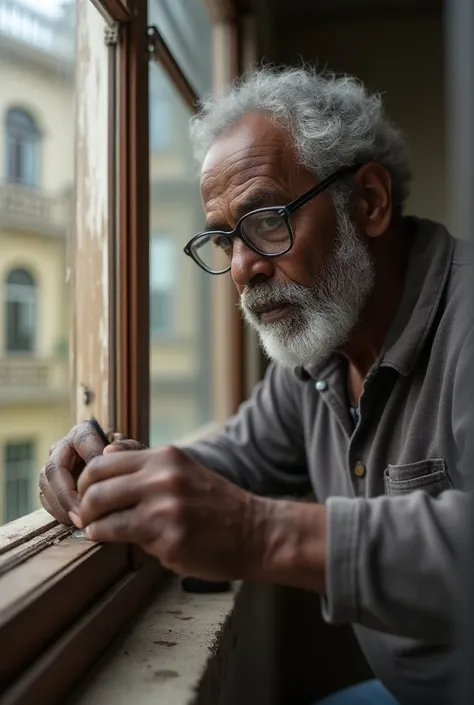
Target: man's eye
{"x": 266, "y": 223}
{"x": 221, "y": 242}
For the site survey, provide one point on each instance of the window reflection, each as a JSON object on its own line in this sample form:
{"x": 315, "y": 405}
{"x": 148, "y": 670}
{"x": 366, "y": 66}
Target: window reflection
{"x": 186, "y": 28}
{"x": 36, "y": 190}
{"x": 180, "y": 294}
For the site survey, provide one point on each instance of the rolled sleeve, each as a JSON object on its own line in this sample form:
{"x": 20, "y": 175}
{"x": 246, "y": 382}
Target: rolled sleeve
{"x": 339, "y": 604}
{"x": 392, "y": 561}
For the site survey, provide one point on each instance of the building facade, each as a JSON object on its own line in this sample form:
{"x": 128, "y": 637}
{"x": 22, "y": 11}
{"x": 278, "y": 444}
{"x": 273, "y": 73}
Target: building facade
{"x": 37, "y": 157}
{"x": 36, "y": 182}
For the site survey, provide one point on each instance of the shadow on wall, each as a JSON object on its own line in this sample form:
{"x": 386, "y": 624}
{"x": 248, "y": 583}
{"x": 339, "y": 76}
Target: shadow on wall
{"x": 277, "y": 650}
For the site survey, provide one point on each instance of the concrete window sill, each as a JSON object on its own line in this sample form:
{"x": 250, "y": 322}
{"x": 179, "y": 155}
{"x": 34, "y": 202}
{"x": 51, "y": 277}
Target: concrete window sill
{"x": 165, "y": 655}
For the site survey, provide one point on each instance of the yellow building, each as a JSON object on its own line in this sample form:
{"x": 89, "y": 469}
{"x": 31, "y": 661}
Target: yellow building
{"x": 36, "y": 178}
{"x": 37, "y": 145}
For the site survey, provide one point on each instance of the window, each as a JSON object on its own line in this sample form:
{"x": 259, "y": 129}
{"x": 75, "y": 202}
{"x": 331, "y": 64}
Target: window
{"x": 20, "y": 476}
{"x": 120, "y": 282}
{"x": 186, "y": 28}
{"x": 36, "y": 257}
{"x": 163, "y": 282}
{"x": 21, "y": 311}
{"x": 182, "y": 366}
{"x": 161, "y": 133}
{"x": 22, "y": 147}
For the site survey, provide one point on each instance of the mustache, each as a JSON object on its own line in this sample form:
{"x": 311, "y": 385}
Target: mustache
{"x": 260, "y": 295}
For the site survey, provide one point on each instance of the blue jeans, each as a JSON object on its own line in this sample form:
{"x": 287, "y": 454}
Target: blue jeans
{"x": 367, "y": 693}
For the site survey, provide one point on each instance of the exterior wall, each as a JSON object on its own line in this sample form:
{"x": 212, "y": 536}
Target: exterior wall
{"x": 402, "y": 57}
{"x": 48, "y": 95}
{"x": 35, "y": 224}
{"x": 41, "y": 423}
{"x": 45, "y": 260}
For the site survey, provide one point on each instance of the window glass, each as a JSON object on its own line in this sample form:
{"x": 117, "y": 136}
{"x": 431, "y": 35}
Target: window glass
{"x": 180, "y": 292}
{"x": 20, "y": 479}
{"x": 36, "y": 206}
{"x": 22, "y": 140}
{"x": 163, "y": 281}
{"x": 186, "y": 27}
{"x": 161, "y": 133}
{"x": 20, "y": 311}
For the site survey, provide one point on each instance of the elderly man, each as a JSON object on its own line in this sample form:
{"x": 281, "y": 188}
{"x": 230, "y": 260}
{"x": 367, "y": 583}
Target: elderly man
{"x": 361, "y": 309}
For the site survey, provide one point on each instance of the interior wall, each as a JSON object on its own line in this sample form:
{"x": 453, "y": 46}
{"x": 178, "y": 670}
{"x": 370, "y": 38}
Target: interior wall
{"x": 401, "y": 56}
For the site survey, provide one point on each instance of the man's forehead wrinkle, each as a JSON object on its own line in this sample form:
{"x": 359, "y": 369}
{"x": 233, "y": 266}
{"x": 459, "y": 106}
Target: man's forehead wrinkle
{"x": 238, "y": 175}
{"x": 256, "y": 150}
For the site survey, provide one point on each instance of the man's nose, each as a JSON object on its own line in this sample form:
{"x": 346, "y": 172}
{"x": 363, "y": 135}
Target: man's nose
{"x": 247, "y": 264}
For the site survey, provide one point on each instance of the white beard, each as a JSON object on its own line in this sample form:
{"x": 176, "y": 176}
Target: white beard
{"x": 324, "y": 314}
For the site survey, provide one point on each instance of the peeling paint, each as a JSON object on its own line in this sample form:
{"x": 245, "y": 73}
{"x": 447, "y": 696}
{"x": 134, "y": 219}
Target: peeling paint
{"x": 92, "y": 258}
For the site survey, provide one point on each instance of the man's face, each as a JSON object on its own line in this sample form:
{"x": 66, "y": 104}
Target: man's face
{"x": 304, "y": 303}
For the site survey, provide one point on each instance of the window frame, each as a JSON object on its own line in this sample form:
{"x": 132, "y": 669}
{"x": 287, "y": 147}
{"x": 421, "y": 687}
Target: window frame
{"x": 106, "y": 584}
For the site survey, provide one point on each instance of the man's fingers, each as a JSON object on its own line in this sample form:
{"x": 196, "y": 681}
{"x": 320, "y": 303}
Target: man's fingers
{"x": 50, "y": 502}
{"x": 61, "y": 481}
{"x": 111, "y": 495}
{"x": 124, "y": 444}
{"x": 109, "y": 465}
{"x": 86, "y": 442}
{"x": 123, "y": 527}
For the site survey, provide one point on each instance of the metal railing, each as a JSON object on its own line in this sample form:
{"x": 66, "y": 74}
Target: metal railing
{"x": 51, "y": 35}
{"x": 24, "y": 377}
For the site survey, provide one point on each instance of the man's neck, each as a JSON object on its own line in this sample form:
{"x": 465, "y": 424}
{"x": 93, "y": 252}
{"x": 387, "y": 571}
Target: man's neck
{"x": 390, "y": 255}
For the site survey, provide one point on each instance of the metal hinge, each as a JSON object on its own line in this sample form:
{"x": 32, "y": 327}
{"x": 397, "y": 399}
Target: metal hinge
{"x": 154, "y": 39}
{"x": 111, "y": 34}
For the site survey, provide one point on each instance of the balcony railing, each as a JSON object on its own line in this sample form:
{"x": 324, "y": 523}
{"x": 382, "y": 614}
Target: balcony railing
{"x": 33, "y": 210}
{"x": 24, "y": 378}
{"x": 52, "y": 36}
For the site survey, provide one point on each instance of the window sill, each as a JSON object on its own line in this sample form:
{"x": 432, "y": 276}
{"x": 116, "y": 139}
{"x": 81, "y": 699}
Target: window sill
{"x": 165, "y": 654}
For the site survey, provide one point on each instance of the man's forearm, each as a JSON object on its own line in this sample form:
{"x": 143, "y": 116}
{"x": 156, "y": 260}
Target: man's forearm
{"x": 294, "y": 544}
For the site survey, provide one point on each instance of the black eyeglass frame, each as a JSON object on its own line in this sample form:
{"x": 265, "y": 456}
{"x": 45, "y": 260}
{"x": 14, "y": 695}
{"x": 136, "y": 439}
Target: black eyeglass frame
{"x": 283, "y": 211}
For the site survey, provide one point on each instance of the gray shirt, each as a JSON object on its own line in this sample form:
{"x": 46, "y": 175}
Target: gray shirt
{"x": 392, "y": 484}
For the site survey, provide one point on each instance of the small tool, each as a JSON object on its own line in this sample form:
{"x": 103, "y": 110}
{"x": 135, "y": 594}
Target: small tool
{"x": 99, "y": 430}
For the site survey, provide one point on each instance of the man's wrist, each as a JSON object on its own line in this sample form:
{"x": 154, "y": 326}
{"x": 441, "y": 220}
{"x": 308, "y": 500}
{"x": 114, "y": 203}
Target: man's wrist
{"x": 291, "y": 542}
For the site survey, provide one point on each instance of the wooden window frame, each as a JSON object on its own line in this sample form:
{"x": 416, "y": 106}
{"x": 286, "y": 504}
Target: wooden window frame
{"x": 63, "y": 598}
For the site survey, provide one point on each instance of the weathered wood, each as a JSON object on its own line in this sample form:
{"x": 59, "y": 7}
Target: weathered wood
{"x": 53, "y": 589}
{"x": 91, "y": 270}
{"x": 50, "y": 678}
{"x": 22, "y": 530}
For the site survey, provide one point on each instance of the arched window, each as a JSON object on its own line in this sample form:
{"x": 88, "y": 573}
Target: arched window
{"x": 23, "y": 142}
{"x": 21, "y": 311}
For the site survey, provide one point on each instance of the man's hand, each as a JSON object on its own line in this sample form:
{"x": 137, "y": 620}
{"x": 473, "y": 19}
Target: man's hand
{"x": 193, "y": 520}
{"x": 68, "y": 458}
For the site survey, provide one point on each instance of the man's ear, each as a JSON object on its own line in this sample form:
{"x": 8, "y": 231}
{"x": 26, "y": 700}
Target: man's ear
{"x": 373, "y": 199}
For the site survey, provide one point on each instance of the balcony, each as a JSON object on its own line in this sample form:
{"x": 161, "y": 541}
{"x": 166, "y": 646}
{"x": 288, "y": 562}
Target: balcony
{"x": 33, "y": 210}
{"x": 33, "y": 379}
{"x": 37, "y": 36}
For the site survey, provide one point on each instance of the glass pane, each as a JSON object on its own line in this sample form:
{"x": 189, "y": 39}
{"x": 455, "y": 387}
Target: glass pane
{"x": 180, "y": 292}
{"x": 36, "y": 192}
{"x": 185, "y": 26}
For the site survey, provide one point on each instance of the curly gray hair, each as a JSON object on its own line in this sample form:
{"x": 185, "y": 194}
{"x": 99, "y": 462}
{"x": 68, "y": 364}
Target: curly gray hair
{"x": 334, "y": 122}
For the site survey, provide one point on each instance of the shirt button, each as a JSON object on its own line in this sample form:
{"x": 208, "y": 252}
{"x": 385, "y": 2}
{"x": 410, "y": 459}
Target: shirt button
{"x": 321, "y": 385}
{"x": 359, "y": 470}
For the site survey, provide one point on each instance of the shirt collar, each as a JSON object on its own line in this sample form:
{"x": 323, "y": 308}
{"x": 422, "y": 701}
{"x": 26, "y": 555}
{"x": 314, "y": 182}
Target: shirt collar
{"x": 427, "y": 273}
{"x": 428, "y": 270}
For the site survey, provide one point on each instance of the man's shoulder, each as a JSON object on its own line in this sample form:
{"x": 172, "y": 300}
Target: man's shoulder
{"x": 458, "y": 308}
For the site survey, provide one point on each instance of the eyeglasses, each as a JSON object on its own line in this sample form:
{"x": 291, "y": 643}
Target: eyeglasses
{"x": 266, "y": 231}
